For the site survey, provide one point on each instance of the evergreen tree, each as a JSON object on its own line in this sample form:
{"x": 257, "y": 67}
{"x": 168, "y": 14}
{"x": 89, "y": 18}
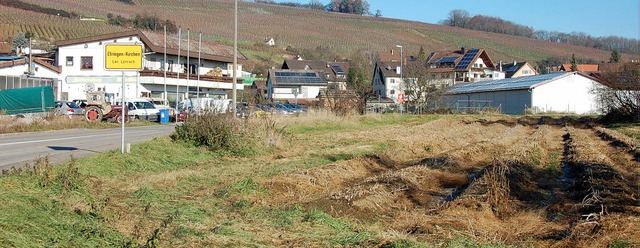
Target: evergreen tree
{"x": 18, "y": 43}
{"x": 574, "y": 64}
{"x": 422, "y": 55}
{"x": 615, "y": 57}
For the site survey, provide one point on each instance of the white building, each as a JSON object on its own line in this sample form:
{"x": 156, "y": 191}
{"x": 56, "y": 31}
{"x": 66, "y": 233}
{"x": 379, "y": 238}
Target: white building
{"x": 387, "y": 81}
{"x": 295, "y": 85}
{"x": 81, "y": 66}
{"x": 563, "y": 92}
{"x": 14, "y": 73}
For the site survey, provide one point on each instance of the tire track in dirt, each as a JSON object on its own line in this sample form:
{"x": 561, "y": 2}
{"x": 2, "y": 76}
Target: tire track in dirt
{"x": 596, "y": 191}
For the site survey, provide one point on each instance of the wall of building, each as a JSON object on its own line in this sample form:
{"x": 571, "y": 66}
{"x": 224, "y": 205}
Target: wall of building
{"x": 509, "y": 102}
{"x": 107, "y": 80}
{"x": 304, "y": 92}
{"x": 570, "y": 94}
{"x": 523, "y": 72}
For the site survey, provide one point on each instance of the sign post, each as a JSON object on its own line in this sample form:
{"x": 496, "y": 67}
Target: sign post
{"x": 401, "y": 100}
{"x": 123, "y": 57}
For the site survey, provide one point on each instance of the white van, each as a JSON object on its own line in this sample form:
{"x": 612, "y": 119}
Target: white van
{"x": 141, "y": 109}
{"x": 199, "y": 106}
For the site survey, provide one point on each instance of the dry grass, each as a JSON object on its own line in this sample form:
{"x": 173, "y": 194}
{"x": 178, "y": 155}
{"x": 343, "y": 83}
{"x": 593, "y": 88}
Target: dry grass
{"x": 376, "y": 180}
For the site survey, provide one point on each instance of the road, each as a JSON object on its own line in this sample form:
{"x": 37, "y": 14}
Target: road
{"x": 18, "y": 149}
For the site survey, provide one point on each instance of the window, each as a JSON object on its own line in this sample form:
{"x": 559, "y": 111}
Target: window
{"x": 87, "y": 63}
{"x": 392, "y": 92}
{"x": 526, "y": 72}
{"x": 170, "y": 65}
{"x": 392, "y": 81}
{"x": 69, "y": 60}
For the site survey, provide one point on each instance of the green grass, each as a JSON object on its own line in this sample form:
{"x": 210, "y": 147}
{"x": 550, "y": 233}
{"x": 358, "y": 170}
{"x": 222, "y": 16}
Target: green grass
{"x": 630, "y": 129}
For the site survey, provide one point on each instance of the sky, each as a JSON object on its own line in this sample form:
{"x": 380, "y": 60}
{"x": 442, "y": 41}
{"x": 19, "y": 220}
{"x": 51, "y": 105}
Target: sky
{"x": 594, "y": 17}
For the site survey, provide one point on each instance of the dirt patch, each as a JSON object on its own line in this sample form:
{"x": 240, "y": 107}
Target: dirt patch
{"x": 528, "y": 181}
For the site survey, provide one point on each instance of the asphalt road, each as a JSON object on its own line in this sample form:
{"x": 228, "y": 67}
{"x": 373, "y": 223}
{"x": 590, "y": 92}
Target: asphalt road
{"x": 19, "y": 149}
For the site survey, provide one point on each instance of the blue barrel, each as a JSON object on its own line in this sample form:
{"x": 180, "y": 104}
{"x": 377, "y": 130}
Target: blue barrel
{"x": 164, "y": 116}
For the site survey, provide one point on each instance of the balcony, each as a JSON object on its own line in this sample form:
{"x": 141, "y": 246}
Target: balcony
{"x": 157, "y": 77}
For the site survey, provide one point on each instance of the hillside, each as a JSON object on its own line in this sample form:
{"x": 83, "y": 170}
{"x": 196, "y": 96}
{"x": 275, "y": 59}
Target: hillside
{"x": 298, "y": 28}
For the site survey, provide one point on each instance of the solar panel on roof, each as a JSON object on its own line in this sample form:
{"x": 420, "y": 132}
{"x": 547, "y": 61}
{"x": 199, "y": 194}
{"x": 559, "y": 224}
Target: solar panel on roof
{"x": 504, "y": 84}
{"x": 448, "y": 59}
{"x": 467, "y": 59}
{"x": 512, "y": 68}
{"x": 337, "y": 69}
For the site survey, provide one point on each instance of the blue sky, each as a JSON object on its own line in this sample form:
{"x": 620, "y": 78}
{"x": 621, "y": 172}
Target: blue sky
{"x": 594, "y": 17}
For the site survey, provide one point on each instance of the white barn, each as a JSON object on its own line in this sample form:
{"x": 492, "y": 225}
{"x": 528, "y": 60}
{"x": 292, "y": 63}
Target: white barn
{"x": 564, "y": 92}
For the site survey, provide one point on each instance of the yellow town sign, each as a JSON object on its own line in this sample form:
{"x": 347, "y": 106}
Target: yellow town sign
{"x": 123, "y": 57}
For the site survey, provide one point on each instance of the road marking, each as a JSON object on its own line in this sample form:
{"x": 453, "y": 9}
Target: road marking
{"x": 59, "y": 139}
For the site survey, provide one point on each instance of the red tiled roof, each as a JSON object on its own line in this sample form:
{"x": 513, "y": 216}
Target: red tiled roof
{"x": 10, "y": 63}
{"x": 46, "y": 64}
{"x": 581, "y": 67}
{"x": 389, "y": 56}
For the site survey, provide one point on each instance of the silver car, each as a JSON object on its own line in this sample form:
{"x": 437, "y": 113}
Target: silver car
{"x": 68, "y": 108}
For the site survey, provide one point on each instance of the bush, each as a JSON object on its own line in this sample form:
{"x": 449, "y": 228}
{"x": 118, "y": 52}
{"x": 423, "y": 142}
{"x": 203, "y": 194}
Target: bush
{"x": 216, "y": 132}
{"x": 229, "y": 135}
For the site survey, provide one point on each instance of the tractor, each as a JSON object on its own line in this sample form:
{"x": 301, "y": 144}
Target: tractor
{"x": 98, "y": 109}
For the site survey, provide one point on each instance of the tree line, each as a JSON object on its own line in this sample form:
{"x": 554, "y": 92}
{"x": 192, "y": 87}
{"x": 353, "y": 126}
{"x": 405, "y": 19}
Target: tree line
{"x": 462, "y": 19}
{"x": 143, "y": 22}
{"x": 357, "y": 7}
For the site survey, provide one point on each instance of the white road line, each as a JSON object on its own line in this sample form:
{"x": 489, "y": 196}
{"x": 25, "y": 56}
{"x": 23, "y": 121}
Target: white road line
{"x": 59, "y": 139}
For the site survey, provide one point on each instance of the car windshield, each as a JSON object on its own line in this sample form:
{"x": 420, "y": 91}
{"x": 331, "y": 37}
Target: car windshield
{"x": 72, "y": 105}
{"x": 145, "y": 105}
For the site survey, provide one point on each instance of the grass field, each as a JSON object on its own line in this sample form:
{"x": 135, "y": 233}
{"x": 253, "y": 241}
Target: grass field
{"x": 369, "y": 181}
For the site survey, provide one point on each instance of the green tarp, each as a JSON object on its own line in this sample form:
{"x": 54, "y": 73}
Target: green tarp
{"x": 26, "y": 100}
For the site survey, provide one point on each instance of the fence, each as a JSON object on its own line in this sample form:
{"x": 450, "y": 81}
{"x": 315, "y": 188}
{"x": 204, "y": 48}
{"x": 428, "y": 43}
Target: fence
{"x": 19, "y": 82}
{"x": 477, "y": 106}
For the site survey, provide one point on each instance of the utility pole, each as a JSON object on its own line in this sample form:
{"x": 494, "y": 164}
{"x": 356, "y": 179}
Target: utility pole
{"x": 30, "y": 61}
{"x": 235, "y": 58}
{"x": 401, "y": 77}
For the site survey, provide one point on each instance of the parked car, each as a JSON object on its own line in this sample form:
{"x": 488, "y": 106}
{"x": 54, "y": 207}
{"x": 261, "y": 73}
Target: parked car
{"x": 141, "y": 109}
{"x": 297, "y": 108}
{"x": 280, "y": 108}
{"x": 242, "y": 110}
{"x": 160, "y": 103}
{"x": 67, "y": 108}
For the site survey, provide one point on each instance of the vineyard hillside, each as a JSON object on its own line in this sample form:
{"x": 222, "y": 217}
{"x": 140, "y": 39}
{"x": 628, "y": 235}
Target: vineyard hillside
{"x": 291, "y": 27}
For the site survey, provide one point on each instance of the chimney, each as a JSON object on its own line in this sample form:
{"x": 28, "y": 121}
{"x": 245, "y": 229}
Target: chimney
{"x": 398, "y": 70}
{"x": 391, "y": 51}
{"x": 514, "y": 62}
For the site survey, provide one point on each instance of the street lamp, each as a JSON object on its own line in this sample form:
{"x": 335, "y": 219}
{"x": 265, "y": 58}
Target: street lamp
{"x": 401, "y": 72}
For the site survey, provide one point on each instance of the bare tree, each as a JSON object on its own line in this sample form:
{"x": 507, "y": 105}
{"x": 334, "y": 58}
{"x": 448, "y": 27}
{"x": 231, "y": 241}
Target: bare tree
{"x": 620, "y": 98}
{"x": 457, "y": 18}
{"x": 421, "y": 86}
{"x": 359, "y": 78}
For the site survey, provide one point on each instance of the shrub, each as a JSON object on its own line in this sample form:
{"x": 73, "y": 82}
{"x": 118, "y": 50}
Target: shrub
{"x": 229, "y": 135}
